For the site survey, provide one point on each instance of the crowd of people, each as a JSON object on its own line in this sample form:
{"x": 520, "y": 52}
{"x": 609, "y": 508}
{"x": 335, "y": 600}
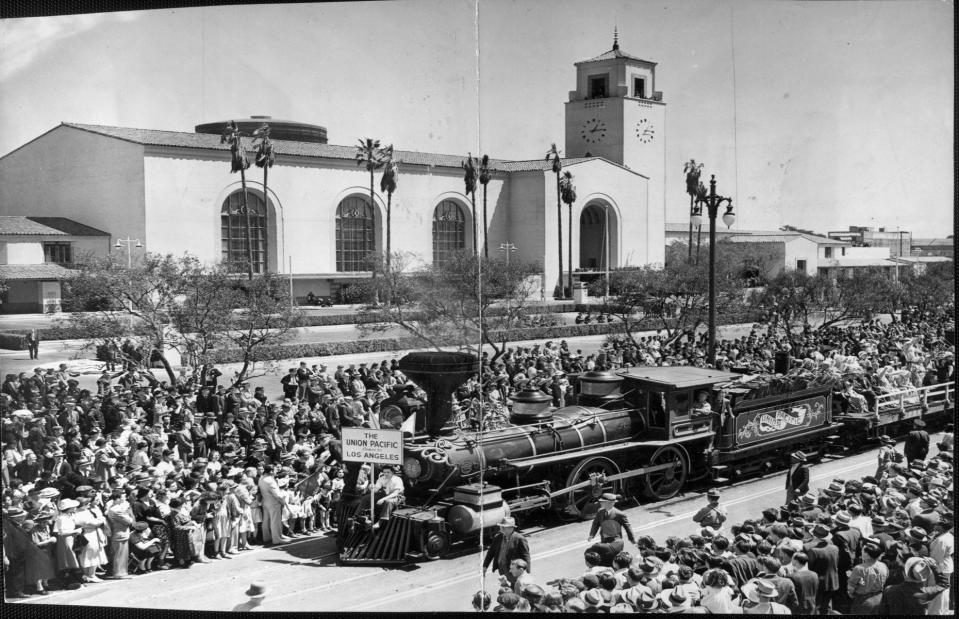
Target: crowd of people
{"x": 879, "y": 545}
{"x": 137, "y": 475}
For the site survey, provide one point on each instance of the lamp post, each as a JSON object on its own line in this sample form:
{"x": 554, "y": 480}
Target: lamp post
{"x": 130, "y": 243}
{"x": 507, "y": 247}
{"x": 712, "y": 202}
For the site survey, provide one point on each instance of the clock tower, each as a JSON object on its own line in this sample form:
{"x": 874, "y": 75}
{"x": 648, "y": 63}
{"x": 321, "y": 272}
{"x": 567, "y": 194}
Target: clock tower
{"x": 617, "y": 113}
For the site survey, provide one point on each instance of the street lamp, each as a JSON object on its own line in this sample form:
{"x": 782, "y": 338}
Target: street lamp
{"x": 712, "y": 202}
{"x": 507, "y": 247}
{"x": 129, "y": 243}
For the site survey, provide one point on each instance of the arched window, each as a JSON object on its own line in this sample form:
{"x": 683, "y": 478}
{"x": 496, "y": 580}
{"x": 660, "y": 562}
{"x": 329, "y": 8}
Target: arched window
{"x": 355, "y": 238}
{"x": 233, "y": 239}
{"x": 449, "y": 231}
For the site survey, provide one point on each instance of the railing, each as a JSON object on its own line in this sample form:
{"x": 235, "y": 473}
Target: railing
{"x": 906, "y": 401}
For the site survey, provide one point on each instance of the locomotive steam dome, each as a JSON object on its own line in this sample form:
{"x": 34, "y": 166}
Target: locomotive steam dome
{"x": 438, "y": 374}
{"x": 597, "y": 388}
{"x": 530, "y": 406}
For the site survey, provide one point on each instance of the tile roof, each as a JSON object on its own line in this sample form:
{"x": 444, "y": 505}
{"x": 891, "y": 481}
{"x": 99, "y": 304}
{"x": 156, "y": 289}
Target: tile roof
{"x": 34, "y": 271}
{"x": 69, "y": 226}
{"x": 18, "y": 224}
{"x": 613, "y": 54}
{"x": 206, "y": 141}
{"x": 933, "y": 242}
{"x": 785, "y": 237}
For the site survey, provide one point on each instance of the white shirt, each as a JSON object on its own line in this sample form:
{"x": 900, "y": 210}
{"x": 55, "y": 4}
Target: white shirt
{"x": 393, "y": 486}
{"x": 942, "y": 550}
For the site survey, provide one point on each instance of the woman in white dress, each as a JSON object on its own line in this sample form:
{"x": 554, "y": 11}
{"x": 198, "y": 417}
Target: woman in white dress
{"x": 66, "y": 530}
{"x": 90, "y": 525}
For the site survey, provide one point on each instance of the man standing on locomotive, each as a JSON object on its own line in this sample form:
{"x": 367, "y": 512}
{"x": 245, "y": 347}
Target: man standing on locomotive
{"x": 610, "y": 523}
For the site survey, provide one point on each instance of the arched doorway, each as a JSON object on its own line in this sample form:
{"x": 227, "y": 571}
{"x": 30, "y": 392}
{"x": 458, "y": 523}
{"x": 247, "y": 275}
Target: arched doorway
{"x": 595, "y": 242}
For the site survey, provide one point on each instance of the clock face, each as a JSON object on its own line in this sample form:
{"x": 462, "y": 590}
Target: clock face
{"x": 645, "y": 131}
{"x": 593, "y": 131}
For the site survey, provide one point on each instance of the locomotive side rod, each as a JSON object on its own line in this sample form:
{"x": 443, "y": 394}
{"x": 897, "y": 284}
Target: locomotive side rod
{"x": 640, "y": 471}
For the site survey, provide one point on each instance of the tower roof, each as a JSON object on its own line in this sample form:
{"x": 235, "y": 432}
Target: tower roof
{"x": 616, "y": 53}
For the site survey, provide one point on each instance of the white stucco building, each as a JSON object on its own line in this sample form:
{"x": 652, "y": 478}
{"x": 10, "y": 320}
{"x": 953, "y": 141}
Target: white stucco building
{"x": 173, "y": 190}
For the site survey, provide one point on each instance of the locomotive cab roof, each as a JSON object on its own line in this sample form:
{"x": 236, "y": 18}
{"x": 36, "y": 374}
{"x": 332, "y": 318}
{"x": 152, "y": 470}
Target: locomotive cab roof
{"x": 677, "y": 377}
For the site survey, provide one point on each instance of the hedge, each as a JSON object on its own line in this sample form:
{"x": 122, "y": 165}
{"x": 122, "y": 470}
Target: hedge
{"x": 319, "y": 349}
{"x": 13, "y": 341}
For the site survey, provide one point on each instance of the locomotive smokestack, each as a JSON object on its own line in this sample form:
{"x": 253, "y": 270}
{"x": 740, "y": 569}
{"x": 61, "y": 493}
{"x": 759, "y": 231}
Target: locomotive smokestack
{"x": 438, "y": 374}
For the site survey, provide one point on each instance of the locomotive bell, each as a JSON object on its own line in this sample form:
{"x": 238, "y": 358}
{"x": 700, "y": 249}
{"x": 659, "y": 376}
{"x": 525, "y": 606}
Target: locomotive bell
{"x": 597, "y": 388}
{"x": 530, "y": 406}
{"x": 438, "y": 374}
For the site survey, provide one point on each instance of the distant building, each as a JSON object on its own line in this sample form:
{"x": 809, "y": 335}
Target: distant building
{"x": 934, "y": 247}
{"x": 899, "y": 242}
{"x": 36, "y": 254}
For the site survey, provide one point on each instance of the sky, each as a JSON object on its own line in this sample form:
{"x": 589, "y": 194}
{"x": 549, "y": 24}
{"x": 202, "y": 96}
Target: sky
{"x": 819, "y": 115}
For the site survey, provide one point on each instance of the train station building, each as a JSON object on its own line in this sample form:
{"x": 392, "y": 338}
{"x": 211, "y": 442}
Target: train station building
{"x": 173, "y": 191}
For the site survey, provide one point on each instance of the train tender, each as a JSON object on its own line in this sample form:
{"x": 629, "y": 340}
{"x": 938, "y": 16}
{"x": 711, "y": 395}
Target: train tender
{"x": 638, "y": 431}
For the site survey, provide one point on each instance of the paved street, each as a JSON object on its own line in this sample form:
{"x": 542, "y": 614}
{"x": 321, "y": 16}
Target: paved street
{"x": 302, "y": 575}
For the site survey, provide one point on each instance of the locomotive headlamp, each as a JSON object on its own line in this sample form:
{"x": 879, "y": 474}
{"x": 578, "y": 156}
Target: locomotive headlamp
{"x": 412, "y": 468}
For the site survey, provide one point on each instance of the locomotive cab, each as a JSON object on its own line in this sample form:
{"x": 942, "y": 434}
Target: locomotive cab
{"x": 675, "y": 403}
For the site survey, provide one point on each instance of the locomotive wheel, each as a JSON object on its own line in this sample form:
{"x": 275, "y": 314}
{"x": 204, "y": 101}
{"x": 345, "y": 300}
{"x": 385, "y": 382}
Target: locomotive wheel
{"x": 583, "y": 503}
{"x": 665, "y": 484}
{"x": 437, "y": 544}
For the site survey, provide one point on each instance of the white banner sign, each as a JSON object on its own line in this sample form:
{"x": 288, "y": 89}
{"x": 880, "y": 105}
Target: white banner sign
{"x": 369, "y": 445}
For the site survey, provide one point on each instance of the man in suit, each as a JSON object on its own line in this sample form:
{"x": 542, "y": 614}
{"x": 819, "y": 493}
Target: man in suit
{"x": 917, "y": 442}
{"x": 797, "y": 479}
{"x": 33, "y": 343}
{"x": 848, "y": 540}
{"x": 743, "y": 564}
{"x": 508, "y": 545}
{"x": 610, "y": 523}
{"x": 272, "y": 501}
{"x": 824, "y": 561}
{"x": 806, "y": 584}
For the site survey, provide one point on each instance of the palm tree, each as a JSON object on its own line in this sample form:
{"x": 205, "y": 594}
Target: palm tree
{"x": 239, "y": 162}
{"x": 391, "y": 172}
{"x": 568, "y": 193}
{"x": 553, "y": 153}
{"x": 484, "y": 178}
{"x": 692, "y": 170}
{"x": 264, "y": 158}
{"x": 368, "y": 153}
{"x": 469, "y": 179}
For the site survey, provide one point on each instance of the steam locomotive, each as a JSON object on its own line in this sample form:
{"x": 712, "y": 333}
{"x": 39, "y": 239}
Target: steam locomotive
{"x": 635, "y": 431}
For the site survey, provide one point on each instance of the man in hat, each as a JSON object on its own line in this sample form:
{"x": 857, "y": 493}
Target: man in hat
{"x": 610, "y": 523}
{"x": 507, "y": 546}
{"x": 886, "y": 457}
{"x": 797, "y": 478}
{"x": 914, "y": 597}
{"x": 848, "y": 540}
{"x": 824, "y": 561}
{"x": 929, "y": 516}
{"x": 16, "y": 546}
{"x": 712, "y": 514}
{"x": 917, "y": 442}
